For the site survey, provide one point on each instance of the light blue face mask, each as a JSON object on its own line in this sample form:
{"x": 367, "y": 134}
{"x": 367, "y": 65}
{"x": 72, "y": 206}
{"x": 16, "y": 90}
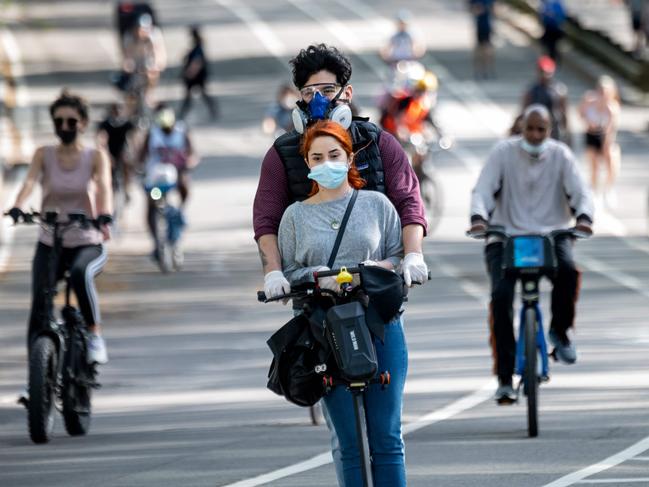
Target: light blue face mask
{"x": 535, "y": 150}
{"x": 329, "y": 174}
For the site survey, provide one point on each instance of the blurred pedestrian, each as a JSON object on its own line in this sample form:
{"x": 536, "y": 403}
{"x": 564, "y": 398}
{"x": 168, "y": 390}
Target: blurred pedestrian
{"x": 195, "y": 74}
{"x": 553, "y": 95}
{"x": 553, "y": 15}
{"x": 483, "y": 55}
{"x": 278, "y": 118}
{"x": 600, "y": 111}
{"x": 639, "y": 12}
{"x": 403, "y": 45}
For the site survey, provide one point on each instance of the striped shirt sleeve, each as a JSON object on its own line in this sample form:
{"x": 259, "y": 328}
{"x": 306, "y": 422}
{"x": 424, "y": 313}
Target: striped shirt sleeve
{"x": 272, "y": 196}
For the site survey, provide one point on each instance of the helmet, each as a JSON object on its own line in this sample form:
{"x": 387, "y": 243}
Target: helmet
{"x": 165, "y": 118}
{"x": 428, "y": 82}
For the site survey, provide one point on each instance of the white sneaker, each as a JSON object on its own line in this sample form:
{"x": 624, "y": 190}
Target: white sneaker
{"x": 610, "y": 199}
{"x": 97, "y": 350}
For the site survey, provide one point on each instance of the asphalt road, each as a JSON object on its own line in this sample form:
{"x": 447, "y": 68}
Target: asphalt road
{"x": 184, "y": 402}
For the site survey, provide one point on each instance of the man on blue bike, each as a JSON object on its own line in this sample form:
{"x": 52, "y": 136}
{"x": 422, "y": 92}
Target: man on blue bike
{"x": 530, "y": 184}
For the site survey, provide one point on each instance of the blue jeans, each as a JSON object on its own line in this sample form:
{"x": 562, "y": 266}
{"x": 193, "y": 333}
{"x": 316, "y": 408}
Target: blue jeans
{"x": 383, "y": 417}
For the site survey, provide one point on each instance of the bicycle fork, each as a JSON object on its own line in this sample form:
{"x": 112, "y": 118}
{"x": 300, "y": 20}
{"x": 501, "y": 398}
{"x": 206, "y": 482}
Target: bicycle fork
{"x": 361, "y": 434}
{"x": 544, "y": 372}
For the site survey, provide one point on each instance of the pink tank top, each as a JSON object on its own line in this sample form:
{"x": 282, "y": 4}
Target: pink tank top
{"x": 69, "y": 191}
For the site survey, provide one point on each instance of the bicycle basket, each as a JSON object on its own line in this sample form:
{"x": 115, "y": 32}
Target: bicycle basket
{"x": 529, "y": 252}
{"x": 351, "y": 341}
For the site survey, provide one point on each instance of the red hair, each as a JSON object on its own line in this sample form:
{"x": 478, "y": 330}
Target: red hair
{"x": 327, "y": 128}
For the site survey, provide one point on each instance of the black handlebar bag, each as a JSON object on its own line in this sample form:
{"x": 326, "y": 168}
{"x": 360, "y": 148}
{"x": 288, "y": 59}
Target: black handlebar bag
{"x": 351, "y": 341}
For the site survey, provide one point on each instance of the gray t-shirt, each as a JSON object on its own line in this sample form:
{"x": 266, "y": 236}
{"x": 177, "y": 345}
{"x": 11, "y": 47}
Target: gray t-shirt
{"x": 307, "y": 234}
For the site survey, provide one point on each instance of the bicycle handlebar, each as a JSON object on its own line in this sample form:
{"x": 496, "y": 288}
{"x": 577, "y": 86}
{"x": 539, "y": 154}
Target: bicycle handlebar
{"x": 498, "y": 231}
{"x": 302, "y": 293}
{"x": 50, "y": 218}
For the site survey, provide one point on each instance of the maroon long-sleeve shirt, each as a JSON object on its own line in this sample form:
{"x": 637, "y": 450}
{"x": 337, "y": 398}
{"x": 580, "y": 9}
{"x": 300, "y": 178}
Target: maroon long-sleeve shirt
{"x": 401, "y": 187}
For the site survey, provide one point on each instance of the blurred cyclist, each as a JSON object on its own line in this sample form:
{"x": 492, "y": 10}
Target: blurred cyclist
{"x": 530, "y": 184}
{"x": 114, "y": 135}
{"x": 553, "y": 95}
{"x": 127, "y": 15}
{"x": 407, "y": 113}
{"x": 145, "y": 58}
{"x": 402, "y": 46}
{"x": 167, "y": 142}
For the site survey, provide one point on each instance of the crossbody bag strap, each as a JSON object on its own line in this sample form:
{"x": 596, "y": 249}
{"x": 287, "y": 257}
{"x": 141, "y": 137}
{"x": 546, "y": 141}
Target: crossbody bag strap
{"x": 341, "y": 230}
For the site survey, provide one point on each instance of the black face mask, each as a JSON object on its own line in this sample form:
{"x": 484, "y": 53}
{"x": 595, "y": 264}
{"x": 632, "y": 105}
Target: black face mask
{"x": 67, "y": 136}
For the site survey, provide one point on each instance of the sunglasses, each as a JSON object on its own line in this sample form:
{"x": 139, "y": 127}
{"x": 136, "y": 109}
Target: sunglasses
{"x": 71, "y": 122}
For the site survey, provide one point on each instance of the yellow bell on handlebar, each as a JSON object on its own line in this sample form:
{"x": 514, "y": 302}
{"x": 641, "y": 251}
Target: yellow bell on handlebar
{"x": 343, "y": 276}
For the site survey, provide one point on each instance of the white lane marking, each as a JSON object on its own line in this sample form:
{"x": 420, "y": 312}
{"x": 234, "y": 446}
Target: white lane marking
{"x": 620, "y": 277}
{"x": 7, "y": 233}
{"x": 448, "y": 411}
{"x": 640, "y": 459}
{"x": 13, "y": 53}
{"x": 619, "y": 481}
{"x": 258, "y": 27}
{"x": 612, "y": 461}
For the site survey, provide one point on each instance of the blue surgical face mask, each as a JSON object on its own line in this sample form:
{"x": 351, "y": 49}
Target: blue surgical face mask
{"x": 534, "y": 150}
{"x": 318, "y": 106}
{"x": 329, "y": 174}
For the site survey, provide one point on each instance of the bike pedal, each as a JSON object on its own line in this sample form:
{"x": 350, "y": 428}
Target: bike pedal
{"x": 24, "y": 401}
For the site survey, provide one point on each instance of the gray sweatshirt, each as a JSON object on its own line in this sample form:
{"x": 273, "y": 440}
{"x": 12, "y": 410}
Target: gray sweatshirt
{"x": 528, "y": 195}
{"x": 307, "y": 234}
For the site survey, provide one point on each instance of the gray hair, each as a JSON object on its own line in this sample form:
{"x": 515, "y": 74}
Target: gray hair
{"x": 538, "y": 109}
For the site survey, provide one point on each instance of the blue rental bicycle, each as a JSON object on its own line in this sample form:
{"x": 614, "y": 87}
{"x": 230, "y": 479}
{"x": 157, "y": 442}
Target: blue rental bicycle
{"x": 528, "y": 258}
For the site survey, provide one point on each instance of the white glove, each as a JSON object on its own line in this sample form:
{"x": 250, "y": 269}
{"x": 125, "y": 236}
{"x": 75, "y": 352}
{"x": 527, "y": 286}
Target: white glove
{"x": 414, "y": 269}
{"x": 275, "y": 284}
{"x": 328, "y": 282}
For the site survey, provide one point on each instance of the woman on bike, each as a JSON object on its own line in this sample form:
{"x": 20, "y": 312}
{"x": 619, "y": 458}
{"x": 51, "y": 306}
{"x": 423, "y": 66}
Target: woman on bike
{"x": 74, "y": 178}
{"x": 373, "y": 236}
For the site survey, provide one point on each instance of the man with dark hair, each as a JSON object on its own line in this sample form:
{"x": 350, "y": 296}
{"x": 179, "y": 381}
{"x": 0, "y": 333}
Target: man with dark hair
{"x": 321, "y": 74}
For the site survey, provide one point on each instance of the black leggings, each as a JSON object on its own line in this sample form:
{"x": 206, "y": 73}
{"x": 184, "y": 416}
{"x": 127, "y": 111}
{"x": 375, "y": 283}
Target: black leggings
{"x": 84, "y": 263}
{"x": 565, "y": 290}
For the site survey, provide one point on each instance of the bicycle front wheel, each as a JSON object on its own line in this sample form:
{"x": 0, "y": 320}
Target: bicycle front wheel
{"x": 530, "y": 378}
{"x": 164, "y": 249}
{"x": 42, "y": 387}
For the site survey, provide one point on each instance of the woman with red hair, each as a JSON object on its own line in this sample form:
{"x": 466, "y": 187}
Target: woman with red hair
{"x": 372, "y": 236}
